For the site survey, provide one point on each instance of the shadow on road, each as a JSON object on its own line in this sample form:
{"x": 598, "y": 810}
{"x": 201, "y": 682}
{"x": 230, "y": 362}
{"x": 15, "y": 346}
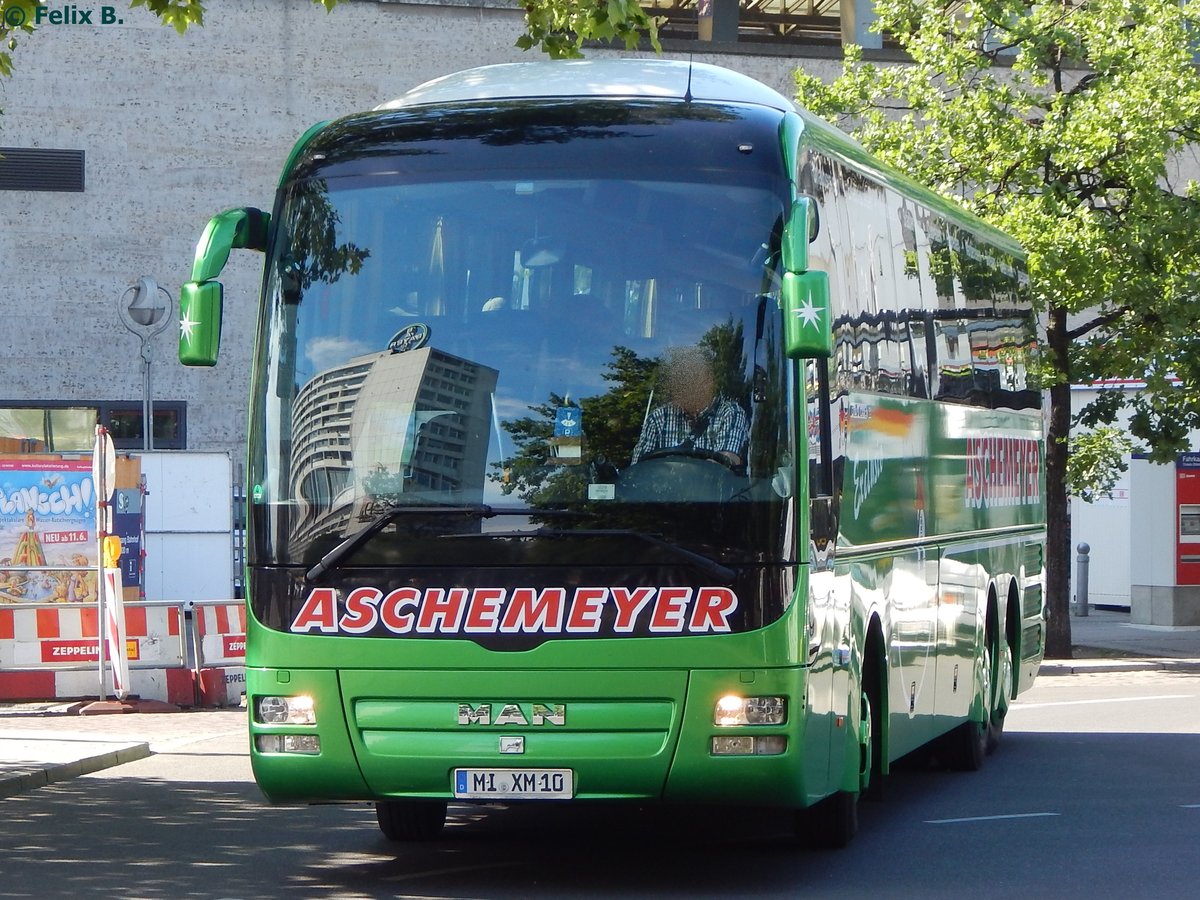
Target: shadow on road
{"x": 1041, "y": 797}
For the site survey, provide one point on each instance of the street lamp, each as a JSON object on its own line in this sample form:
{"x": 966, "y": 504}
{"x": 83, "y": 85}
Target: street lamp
{"x": 145, "y": 309}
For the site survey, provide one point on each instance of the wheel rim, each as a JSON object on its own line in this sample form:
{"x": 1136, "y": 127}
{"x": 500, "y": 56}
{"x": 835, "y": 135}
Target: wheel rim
{"x": 1004, "y": 681}
{"x": 865, "y": 745}
{"x": 985, "y": 687}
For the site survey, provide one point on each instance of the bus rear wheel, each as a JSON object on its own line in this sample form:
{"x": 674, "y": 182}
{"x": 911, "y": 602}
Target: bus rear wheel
{"x": 411, "y": 820}
{"x": 1002, "y": 691}
{"x": 966, "y": 747}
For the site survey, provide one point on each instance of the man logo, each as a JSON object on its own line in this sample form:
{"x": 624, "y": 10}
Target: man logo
{"x": 512, "y": 714}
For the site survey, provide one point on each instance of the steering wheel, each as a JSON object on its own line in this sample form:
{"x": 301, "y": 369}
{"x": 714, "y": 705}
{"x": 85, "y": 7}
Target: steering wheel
{"x": 692, "y": 453}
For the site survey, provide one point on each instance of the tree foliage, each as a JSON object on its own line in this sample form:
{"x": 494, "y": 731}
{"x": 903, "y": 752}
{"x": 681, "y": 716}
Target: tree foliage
{"x": 1062, "y": 122}
{"x": 559, "y": 27}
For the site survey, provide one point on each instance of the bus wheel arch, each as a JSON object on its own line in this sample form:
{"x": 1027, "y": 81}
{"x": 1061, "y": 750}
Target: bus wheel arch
{"x": 833, "y": 822}
{"x": 966, "y": 746}
{"x": 876, "y": 703}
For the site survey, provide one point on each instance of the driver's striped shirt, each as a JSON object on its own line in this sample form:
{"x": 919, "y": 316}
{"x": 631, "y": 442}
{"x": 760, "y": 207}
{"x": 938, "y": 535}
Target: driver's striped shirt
{"x": 723, "y": 427}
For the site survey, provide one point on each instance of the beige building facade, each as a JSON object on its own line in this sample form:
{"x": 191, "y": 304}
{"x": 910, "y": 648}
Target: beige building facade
{"x": 166, "y": 130}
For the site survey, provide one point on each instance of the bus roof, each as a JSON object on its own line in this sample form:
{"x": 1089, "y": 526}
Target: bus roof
{"x": 664, "y": 79}
{"x": 627, "y": 78}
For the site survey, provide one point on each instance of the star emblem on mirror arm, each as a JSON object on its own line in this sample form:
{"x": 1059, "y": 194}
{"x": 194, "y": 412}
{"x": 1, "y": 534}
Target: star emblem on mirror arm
{"x": 810, "y": 314}
{"x": 186, "y": 327}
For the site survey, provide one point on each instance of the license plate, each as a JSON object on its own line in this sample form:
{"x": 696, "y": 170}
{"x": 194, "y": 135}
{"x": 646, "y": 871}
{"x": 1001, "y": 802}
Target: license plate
{"x": 514, "y": 784}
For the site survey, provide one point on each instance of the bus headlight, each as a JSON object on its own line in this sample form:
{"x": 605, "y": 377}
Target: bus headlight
{"x": 748, "y": 745}
{"x": 285, "y": 710}
{"x": 288, "y": 743}
{"x": 734, "y": 710}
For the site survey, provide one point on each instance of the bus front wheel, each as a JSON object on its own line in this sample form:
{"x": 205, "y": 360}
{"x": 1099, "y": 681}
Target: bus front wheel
{"x": 830, "y": 824}
{"x": 411, "y": 820}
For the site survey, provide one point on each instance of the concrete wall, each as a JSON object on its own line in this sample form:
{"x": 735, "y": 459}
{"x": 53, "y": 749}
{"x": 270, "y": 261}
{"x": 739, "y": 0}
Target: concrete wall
{"x": 176, "y": 128}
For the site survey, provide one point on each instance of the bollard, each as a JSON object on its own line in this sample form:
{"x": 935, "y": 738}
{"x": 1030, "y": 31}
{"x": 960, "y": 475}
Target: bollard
{"x": 1081, "y": 580}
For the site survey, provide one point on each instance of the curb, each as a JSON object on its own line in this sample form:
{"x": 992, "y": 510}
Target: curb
{"x": 17, "y": 778}
{"x": 1130, "y": 664}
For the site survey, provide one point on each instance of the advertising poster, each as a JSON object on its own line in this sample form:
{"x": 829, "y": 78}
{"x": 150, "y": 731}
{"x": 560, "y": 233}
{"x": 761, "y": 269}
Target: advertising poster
{"x": 47, "y": 531}
{"x": 127, "y": 525}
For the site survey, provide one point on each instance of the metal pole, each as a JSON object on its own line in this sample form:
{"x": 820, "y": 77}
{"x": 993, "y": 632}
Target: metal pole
{"x": 102, "y": 490}
{"x": 195, "y": 652}
{"x": 147, "y": 398}
{"x": 101, "y": 630}
{"x": 1081, "y": 580}
{"x": 146, "y": 314}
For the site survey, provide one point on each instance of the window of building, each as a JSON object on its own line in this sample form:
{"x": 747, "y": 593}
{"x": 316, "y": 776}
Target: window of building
{"x": 27, "y": 427}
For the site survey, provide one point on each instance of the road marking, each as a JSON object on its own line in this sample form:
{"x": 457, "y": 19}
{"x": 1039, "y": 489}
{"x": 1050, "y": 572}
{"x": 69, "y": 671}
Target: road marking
{"x": 990, "y": 818}
{"x": 1191, "y": 806}
{"x": 1104, "y": 700}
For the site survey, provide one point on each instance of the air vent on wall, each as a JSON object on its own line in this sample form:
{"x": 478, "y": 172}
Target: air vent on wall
{"x": 37, "y": 169}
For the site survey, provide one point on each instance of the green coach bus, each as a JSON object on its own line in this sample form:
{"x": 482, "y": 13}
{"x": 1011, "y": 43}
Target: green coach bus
{"x": 621, "y": 431}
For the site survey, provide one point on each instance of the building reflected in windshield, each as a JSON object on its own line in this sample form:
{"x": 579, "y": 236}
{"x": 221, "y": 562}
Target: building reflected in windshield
{"x": 411, "y": 419}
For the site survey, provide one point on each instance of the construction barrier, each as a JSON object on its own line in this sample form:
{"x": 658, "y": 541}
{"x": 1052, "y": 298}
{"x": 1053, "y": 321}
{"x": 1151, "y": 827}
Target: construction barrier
{"x": 219, "y": 631}
{"x": 190, "y": 655}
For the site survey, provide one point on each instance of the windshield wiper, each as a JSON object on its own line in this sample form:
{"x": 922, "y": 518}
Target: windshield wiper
{"x": 346, "y": 548}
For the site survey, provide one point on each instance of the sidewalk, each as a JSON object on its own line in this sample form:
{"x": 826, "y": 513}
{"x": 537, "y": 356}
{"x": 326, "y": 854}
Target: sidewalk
{"x": 1106, "y": 641}
{"x": 41, "y": 743}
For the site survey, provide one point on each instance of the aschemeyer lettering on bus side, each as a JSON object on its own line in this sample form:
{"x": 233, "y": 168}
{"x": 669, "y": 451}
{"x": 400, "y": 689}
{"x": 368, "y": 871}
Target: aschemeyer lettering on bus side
{"x": 1003, "y": 471}
{"x": 523, "y": 610}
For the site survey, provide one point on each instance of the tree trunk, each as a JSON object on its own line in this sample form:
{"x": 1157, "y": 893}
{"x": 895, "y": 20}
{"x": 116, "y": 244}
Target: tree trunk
{"x": 1058, "y": 503}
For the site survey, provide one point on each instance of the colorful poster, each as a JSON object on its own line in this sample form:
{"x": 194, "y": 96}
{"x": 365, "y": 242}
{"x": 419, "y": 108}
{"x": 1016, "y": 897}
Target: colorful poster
{"x": 47, "y": 531}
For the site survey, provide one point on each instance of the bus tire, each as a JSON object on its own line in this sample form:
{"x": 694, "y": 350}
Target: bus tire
{"x": 411, "y": 820}
{"x": 1002, "y": 691}
{"x": 830, "y": 824}
{"x": 875, "y": 705}
{"x": 966, "y": 746}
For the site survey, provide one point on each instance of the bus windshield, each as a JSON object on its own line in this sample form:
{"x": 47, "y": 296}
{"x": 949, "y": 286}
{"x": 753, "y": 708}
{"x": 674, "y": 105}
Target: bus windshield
{"x": 471, "y": 337}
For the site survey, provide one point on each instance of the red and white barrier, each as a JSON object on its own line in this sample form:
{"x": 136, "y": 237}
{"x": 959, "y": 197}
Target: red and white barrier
{"x": 51, "y": 651}
{"x": 220, "y": 631}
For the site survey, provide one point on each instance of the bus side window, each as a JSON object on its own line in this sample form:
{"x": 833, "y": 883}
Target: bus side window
{"x": 823, "y": 472}
{"x": 820, "y": 429}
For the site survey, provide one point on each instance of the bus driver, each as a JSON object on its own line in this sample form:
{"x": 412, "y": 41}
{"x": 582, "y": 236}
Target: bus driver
{"x": 695, "y": 416}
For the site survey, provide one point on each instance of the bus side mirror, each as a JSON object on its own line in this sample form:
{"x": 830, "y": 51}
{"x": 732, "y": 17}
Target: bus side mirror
{"x": 200, "y": 323}
{"x": 807, "y": 326}
{"x": 807, "y": 329}
{"x": 800, "y": 230}
{"x": 201, "y": 299}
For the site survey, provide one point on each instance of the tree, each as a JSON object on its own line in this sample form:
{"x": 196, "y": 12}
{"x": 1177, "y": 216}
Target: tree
{"x": 557, "y": 27}
{"x": 1060, "y": 121}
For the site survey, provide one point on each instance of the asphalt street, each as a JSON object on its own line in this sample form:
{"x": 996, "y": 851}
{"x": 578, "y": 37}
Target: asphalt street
{"x": 49, "y": 741}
